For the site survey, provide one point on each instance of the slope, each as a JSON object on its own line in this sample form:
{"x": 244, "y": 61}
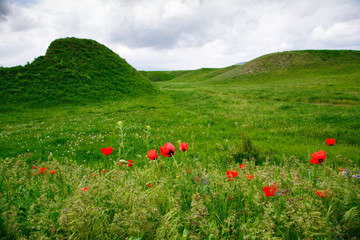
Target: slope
{"x": 72, "y": 71}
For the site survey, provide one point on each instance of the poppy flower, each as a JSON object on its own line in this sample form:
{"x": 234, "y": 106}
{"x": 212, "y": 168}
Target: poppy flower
{"x": 183, "y": 146}
{"x": 94, "y": 174}
{"x": 232, "y": 174}
{"x": 188, "y": 171}
{"x": 318, "y": 157}
{"x": 152, "y": 154}
{"x": 330, "y": 141}
{"x": 249, "y": 176}
{"x": 270, "y": 190}
{"x": 42, "y": 170}
{"x": 84, "y": 189}
{"x": 196, "y": 178}
{"x": 242, "y": 166}
{"x": 33, "y": 173}
{"x": 130, "y": 163}
{"x": 103, "y": 171}
{"x": 107, "y": 151}
{"x": 150, "y": 185}
{"x": 230, "y": 197}
{"x": 34, "y": 167}
{"x": 168, "y": 150}
{"x": 53, "y": 171}
{"x": 322, "y": 193}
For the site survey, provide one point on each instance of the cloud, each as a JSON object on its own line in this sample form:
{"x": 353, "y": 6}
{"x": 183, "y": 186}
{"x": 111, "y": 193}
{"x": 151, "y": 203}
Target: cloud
{"x": 4, "y": 9}
{"x": 179, "y": 34}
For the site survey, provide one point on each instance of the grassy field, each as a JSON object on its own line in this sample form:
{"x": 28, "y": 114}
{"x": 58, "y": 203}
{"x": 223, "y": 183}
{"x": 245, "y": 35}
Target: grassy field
{"x": 270, "y": 114}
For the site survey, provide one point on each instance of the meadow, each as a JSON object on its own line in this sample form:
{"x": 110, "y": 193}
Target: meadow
{"x": 247, "y": 127}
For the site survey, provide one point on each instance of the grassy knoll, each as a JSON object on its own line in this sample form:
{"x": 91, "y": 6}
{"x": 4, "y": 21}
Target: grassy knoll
{"x": 270, "y": 114}
{"x": 73, "y": 71}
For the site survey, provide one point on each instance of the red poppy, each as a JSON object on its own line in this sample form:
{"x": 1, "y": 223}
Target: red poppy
{"x": 130, "y": 163}
{"x": 42, "y": 170}
{"x": 103, "y": 171}
{"x": 188, "y": 171}
{"x": 318, "y": 157}
{"x": 230, "y": 197}
{"x": 183, "y": 146}
{"x": 168, "y": 150}
{"x": 341, "y": 169}
{"x": 242, "y": 166}
{"x": 84, "y": 189}
{"x": 33, "y": 173}
{"x": 322, "y": 193}
{"x": 270, "y": 190}
{"x": 53, "y": 171}
{"x": 107, "y": 151}
{"x": 152, "y": 154}
{"x": 232, "y": 174}
{"x": 196, "y": 178}
{"x": 34, "y": 167}
{"x": 330, "y": 141}
{"x": 249, "y": 176}
{"x": 94, "y": 174}
{"x": 150, "y": 185}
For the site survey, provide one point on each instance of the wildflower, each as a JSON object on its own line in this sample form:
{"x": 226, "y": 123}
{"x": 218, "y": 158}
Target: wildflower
{"x": 42, "y": 170}
{"x": 188, "y": 171}
{"x": 341, "y": 169}
{"x": 330, "y": 141}
{"x": 33, "y": 173}
{"x": 103, "y": 171}
{"x": 230, "y": 197}
{"x": 152, "y": 154}
{"x": 84, "y": 189}
{"x": 249, "y": 176}
{"x": 242, "y": 166}
{"x": 318, "y": 157}
{"x": 196, "y": 178}
{"x": 94, "y": 174}
{"x": 232, "y": 174}
{"x": 120, "y": 123}
{"x": 34, "y": 167}
{"x": 150, "y": 185}
{"x": 168, "y": 150}
{"x": 183, "y": 147}
{"x": 322, "y": 193}
{"x": 53, "y": 171}
{"x": 107, "y": 151}
{"x": 270, "y": 190}
{"x": 130, "y": 163}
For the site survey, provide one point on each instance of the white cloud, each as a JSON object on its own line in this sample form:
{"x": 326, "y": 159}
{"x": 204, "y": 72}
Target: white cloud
{"x": 179, "y": 34}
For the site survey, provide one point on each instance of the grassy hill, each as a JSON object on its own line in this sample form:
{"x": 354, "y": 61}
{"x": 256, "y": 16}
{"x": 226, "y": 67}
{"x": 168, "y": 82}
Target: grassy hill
{"x": 270, "y": 114}
{"x": 72, "y": 71}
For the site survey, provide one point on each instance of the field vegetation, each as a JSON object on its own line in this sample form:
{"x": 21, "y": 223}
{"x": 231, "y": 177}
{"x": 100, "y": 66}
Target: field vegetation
{"x": 251, "y": 132}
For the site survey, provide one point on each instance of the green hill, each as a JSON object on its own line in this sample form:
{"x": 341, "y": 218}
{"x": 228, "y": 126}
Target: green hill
{"x": 311, "y": 61}
{"x": 294, "y": 60}
{"x": 72, "y": 71}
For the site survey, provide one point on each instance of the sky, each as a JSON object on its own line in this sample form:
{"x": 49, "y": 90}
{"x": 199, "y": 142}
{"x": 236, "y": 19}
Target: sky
{"x": 179, "y": 34}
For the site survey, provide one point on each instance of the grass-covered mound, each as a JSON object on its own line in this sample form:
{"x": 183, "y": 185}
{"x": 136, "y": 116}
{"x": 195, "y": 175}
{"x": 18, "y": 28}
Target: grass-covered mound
{"x": 296, "y": 60}
{"x": 72, "y": 71}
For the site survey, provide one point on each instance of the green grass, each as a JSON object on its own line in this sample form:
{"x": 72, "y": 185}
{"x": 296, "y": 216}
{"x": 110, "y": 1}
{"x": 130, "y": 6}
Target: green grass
{"x": 73, "y": 71}
{"x": 272, "y": 120}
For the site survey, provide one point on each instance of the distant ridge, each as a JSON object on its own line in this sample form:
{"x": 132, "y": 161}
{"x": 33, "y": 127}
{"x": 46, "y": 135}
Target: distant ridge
{"x": 72, "y": 71}
{"x": 293, "y": 60}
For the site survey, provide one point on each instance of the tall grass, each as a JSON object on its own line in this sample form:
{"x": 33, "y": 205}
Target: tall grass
{"x": 192, "y": 199}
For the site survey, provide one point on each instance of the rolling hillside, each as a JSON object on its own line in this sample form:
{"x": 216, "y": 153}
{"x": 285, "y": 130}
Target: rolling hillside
{"x": 72, "y": 71}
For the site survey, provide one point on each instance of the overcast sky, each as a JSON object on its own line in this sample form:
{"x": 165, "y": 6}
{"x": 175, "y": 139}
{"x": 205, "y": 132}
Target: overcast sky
{"x": 179, "y": 34}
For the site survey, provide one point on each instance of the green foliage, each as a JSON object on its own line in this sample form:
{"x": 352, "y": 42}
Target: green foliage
{"x": 247, "y": 151}
{"x": 271, "y": 120}
{"x": 72, "y": 71}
